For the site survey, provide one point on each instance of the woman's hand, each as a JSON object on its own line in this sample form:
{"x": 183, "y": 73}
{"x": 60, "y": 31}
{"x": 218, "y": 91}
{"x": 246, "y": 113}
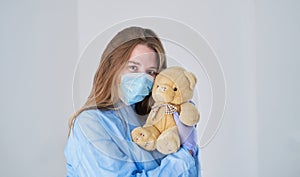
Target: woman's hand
{"x": 188, "y": 135}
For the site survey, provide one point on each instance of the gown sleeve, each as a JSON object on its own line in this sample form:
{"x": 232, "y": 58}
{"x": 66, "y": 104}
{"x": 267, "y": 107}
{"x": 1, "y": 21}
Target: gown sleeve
{"x": 92, "y": 152}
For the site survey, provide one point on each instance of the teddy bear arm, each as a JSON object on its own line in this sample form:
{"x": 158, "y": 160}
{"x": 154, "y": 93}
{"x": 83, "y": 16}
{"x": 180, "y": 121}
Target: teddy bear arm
{"x": 189, "y": 114}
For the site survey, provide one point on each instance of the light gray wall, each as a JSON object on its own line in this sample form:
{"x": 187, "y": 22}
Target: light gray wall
{"x": 278, "y": 85}
{"x": 38, "y": 44}
{"x": 257, "y": 45}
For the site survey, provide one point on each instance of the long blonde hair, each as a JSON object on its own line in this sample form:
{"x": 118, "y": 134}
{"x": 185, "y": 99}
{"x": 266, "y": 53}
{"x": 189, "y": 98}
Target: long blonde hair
{"x": 104, "y": 93}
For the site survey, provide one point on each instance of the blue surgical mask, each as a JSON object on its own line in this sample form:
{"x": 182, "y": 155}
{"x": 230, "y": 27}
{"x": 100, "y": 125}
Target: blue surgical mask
{"x": 134, "y": 87}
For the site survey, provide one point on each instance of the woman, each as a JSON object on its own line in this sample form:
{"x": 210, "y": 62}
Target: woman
{"x": 99, "y": 141}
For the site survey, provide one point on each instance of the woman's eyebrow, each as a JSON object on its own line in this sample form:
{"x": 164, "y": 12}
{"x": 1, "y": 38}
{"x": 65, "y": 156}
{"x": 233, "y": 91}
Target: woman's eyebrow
{"x": 153, "y": 67}
{"x": 136, "y": 63}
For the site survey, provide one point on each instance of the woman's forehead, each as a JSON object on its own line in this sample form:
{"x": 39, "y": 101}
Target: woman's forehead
{"x": 141, "y": 49}
{"x": 143, "y": 55}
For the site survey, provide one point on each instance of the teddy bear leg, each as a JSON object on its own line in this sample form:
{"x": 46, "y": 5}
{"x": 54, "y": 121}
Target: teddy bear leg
{"x": 169, "y": 141}
{"x": 145, "y": 137}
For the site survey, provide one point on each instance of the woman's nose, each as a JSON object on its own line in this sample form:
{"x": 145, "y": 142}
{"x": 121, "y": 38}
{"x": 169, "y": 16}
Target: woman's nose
{"x": 143, "y": 70}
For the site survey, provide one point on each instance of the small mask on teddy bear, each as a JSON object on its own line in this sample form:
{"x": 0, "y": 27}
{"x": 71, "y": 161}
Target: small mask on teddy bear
{"x": 172, "y": 91}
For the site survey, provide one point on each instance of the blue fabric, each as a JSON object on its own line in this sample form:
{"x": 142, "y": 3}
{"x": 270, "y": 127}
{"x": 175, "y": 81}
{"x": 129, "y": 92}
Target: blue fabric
{"x": 100, "y": 145}
{"x": 135, "y": 87}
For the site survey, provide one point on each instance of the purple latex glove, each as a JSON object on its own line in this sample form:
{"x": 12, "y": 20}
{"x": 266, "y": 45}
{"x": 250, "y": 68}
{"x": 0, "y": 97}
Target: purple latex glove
{"x": 188, "y": 135}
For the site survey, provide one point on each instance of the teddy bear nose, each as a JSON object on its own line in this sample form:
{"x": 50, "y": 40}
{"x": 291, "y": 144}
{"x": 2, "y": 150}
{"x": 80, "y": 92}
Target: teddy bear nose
{"x": 163, "y": 89}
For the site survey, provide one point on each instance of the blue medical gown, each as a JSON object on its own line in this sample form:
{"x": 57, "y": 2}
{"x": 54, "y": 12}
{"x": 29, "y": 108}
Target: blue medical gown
{"x": 100, "y": 145}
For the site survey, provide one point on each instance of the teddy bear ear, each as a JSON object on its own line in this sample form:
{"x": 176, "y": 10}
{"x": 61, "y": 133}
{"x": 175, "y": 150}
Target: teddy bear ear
{"x": 192, "y": 79}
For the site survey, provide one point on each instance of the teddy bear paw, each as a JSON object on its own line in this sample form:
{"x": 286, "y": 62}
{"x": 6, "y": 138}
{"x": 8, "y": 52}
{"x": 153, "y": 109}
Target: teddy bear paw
{"x": 143, "y": 138}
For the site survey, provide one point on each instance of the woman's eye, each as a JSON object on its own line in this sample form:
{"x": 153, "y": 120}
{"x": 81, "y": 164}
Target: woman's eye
{"x": 132, "y": 68}
{"x": 152, "y": 73}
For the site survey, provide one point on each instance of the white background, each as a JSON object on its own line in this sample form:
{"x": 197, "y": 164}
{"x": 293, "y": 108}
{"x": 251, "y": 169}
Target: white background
{"x": 257, "y": 43}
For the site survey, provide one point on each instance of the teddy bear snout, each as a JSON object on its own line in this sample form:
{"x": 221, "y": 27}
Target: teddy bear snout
{"x": 163, "y": 89}
{"x": 164, "y": 93}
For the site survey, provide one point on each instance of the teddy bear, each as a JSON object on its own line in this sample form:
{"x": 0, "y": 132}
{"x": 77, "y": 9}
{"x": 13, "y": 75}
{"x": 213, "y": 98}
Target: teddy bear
{"x": 172, "y": 91}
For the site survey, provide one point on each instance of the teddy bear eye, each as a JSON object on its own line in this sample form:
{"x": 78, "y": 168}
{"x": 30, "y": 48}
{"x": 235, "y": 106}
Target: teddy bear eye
{"x": 157, "y": 86}
{"x": 175, "y": 89}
